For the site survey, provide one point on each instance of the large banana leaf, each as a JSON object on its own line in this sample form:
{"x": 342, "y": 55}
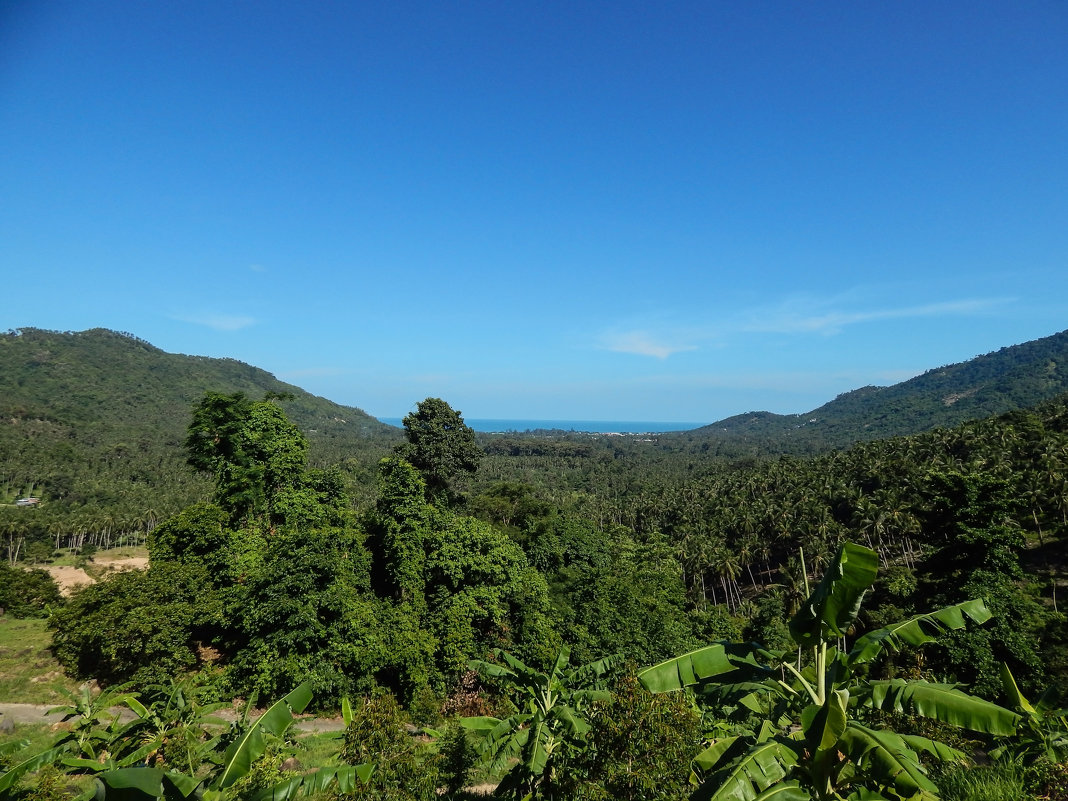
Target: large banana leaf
{"x": 823, "y": 725}
{"x": 502, "y": 741}
{"x": 130, "y": 784}
{"x": 686, "y": 670}
{"x": 574, "y": 724}
{"x": 562, "y": 658}
{"x": 709, "y": 758}
{"x": 1012, "y": 692}
{"x": 833, "y": 606}
{"x": 918, "y": 630}
{"x": 344, "y": 779}
{"x": 593, "y": 672}
{"x": 238, "y": 759}
{"x": 142, "y": 784}
{"x": 515, "y": 668}
{"x": 10, "y": 777}
{"x": 760, "y": 768}
{"x": 939, "y": 751}
{"x": 886, "y": 759}
{"x": 537, "y": 756}
{"x": 943, "y": 702}
{"x": 785, "y": 791}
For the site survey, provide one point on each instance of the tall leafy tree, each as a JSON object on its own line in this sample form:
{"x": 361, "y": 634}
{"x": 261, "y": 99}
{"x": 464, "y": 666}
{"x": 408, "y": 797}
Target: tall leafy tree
{"x": 398, "y": 526}
{"x": 973, "y": 514}
{"x": 440, "y": 445}
{"x": 253, "y": 451}
{"x": 197, "y": 535}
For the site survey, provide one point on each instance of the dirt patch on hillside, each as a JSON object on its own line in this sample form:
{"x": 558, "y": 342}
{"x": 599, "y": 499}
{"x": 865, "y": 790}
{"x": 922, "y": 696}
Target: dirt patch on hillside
{"x": 67, "y": 578}
{"x": 122, "y": 563}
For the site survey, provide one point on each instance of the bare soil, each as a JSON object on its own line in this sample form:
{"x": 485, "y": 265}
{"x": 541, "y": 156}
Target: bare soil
{"x": 68, "y": 577}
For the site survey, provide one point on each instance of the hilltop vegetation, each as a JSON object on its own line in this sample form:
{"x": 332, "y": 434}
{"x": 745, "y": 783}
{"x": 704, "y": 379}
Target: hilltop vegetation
{"x": 1016, "y": 377}
{"x": 93, "y": 424}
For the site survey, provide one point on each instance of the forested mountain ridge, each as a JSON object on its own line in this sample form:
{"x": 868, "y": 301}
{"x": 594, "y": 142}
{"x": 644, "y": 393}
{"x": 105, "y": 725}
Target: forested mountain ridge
{"x": 86, "y": 416}
{"x": 98, "y": 417}
{"x": 1011, "y": 378}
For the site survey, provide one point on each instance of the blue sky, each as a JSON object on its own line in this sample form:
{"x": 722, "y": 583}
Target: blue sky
{"x": 555, "y": 210}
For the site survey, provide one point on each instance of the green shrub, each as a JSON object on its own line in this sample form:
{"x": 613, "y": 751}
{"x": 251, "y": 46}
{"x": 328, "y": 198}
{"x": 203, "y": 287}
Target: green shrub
{"x": 636, "y": 746}
{"x": 141, "y": 625}
{"x": 458, "y": 759}
{"x": 27, "y": 593}
{"x": 405, "y": 770}
{"x": 1048, "y": 780}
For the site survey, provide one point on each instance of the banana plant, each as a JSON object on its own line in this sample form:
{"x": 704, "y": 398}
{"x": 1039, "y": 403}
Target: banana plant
{"x": 99, "y": 733}
{"x": 117, "y": 756}
{"x": 176, "y": 726}
{"x": 98, "y": 724}
{"x": 549, "y": 718}
{"x": 1043, "y": 733}
{"x": 139, "y": 783}
{"x": 814, "y": 740}
{"x": 12, "y": 773}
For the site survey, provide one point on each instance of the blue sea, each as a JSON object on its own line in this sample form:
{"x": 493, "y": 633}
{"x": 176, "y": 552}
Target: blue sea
{"x": 491, "y": 426}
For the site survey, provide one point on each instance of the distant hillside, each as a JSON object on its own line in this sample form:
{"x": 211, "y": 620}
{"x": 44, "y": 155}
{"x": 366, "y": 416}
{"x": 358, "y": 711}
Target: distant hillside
{"x": 1011, "y": 378}
{"x": 99, "y": 417}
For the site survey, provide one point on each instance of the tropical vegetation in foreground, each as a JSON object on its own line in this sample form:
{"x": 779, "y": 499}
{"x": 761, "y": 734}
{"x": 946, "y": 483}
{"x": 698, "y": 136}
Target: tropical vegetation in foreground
{"x": 805, "y": 723}
{"x": 483, "y": 618}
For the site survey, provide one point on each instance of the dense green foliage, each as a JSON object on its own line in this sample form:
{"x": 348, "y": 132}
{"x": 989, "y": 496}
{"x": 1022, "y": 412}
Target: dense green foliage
{"x": 92, "y": 423}
{"x": 26, "y": 593}
{"x": 1012, "y": 378}
{"x": 440, "y": 445}
{"x": 385, "y": 577}
{"x": 820, "y": 729}
{"x": 142, "y": 625}
{"x": 281, "y": 582}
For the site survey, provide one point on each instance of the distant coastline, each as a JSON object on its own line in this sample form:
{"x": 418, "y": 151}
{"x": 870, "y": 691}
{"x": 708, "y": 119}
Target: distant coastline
{"x": 492, "y": 426}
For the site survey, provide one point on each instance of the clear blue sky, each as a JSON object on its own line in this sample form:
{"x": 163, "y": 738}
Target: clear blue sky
{"x": 612, "y": 210}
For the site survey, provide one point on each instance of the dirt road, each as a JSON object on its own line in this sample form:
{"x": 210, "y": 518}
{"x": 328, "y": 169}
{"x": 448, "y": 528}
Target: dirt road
{"x": 36, "y": 714}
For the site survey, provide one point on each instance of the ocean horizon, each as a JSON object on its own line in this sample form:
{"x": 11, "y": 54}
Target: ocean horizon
{"x": 502, "y": 426}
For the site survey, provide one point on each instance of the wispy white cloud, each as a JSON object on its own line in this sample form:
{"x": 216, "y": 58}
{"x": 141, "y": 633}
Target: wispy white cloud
{"x": 641, "y": 343}
{"x": 664, "y": 335}
{"x": 806, "y": 315}
{"x": 220, "y": 322}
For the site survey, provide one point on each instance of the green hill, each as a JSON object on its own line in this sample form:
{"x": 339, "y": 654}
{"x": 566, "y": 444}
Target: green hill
{"x": 97, "y": 418}
{"x": 1012, "y": 378}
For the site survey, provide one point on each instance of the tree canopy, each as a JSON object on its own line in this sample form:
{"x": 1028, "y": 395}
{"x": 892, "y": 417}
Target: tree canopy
{"x": 440, "y": 445}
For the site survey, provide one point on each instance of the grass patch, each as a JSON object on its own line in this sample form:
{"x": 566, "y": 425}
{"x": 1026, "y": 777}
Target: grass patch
{"x": 29, "y": 674}
{"x": 38, "y": 737}
{"x": 1004, "y": 781}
